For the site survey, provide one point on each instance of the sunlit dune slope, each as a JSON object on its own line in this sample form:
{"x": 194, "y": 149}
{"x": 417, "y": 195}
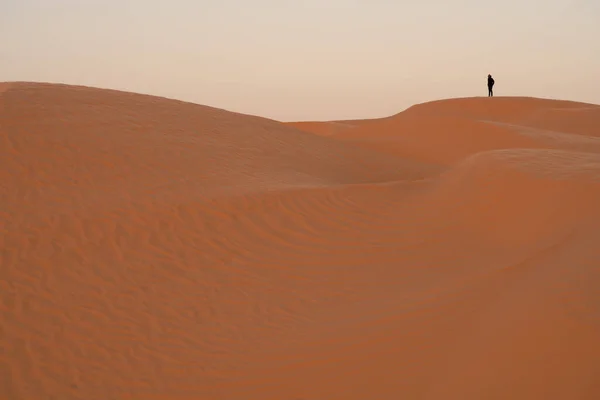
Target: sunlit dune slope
{"x": 106, "y": 144}
{"x": 445, "y": 131}
{"x": 480, "y": 285}
{"x": 156, "y": 249}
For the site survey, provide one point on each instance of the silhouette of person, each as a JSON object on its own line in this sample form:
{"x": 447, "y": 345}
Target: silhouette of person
{"x": 490, "y": 86}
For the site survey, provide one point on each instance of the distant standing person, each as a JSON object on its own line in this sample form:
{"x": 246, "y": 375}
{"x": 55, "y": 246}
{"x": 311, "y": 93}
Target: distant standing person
{"x": 490, "y": 86}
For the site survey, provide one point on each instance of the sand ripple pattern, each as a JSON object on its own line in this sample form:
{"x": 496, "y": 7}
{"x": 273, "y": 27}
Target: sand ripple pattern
{"x": 155, "y": 249}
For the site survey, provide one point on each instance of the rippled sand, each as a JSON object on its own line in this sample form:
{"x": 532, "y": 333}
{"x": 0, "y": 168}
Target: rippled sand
{"x": 156, "y": 249}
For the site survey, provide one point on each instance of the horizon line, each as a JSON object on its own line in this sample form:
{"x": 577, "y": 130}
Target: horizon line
{"x": 125, "y": 91}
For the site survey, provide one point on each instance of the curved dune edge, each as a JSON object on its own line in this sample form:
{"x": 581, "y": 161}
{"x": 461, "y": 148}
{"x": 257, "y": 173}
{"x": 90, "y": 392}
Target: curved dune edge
{"x": 158, "y": 249}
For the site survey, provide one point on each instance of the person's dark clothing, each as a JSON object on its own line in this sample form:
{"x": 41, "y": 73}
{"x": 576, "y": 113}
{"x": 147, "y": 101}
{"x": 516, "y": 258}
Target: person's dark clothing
{"x": 490, "y": 86}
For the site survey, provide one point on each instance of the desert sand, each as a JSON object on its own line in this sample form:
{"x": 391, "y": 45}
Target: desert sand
{"x": 157, "y": 249}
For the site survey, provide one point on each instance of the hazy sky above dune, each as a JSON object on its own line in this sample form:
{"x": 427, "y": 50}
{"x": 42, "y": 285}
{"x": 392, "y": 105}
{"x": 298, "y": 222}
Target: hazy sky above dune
{"x": 309, "y": 59}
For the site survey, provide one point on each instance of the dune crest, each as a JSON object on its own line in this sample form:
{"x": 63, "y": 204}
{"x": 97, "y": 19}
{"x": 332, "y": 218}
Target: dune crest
{"x": 158, "y": 249}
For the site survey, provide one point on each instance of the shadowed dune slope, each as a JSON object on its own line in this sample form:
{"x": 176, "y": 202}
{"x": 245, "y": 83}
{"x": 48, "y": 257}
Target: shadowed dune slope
{"x": 156, "y": 249}
{"x": 328, "y": 128}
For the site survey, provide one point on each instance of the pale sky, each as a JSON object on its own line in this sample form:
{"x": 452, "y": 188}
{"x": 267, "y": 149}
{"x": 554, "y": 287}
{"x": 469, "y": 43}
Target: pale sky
{"x": 307, "y": 59}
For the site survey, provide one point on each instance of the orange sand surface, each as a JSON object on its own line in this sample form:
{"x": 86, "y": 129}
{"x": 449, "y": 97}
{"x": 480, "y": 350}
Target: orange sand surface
{"x": 157, "y": 249}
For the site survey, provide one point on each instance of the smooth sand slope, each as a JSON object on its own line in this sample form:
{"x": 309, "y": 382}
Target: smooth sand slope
{"x": 155, "y": 249}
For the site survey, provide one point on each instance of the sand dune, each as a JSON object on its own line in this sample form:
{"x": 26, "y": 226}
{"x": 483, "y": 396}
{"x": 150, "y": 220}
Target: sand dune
{"x": 156, "y": 249}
